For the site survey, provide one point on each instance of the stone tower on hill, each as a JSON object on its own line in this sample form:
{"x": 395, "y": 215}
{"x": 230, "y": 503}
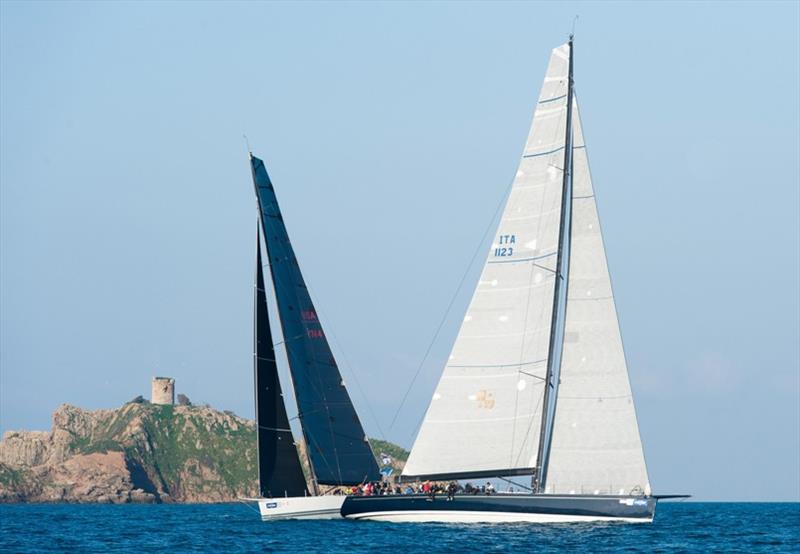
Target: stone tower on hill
{"x": 163, "y": 391}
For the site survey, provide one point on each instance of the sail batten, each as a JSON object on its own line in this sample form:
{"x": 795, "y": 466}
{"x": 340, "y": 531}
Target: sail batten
{"x": 507, "y": 323}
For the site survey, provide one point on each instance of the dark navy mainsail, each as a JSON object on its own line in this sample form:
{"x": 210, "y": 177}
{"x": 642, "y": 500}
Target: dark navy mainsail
{"x": 279, "y": 470}
{"x": 337, "y": 446}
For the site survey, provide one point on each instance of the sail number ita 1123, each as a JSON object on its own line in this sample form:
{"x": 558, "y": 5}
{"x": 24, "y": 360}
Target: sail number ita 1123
{"x": 505, "y": 247}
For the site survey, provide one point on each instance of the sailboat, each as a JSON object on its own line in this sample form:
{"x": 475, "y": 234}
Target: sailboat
{"x": 536, "y": 383}
{"x": 338, "y": 453}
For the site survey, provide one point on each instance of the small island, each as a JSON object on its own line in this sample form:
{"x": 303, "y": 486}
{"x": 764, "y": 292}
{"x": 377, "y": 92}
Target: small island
{"x": 144, "y": 452}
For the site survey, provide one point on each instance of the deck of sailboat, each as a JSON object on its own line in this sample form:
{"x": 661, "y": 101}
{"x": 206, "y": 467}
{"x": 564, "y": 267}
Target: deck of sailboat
{"x": 501, "y": 507}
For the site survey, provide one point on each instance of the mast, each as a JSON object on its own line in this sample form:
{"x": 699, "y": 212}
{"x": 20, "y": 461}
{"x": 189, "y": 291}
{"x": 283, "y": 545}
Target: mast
{"x": 312, "y": 477}
{"x": 256, "y": 284}
{"x": 561, "y": 286}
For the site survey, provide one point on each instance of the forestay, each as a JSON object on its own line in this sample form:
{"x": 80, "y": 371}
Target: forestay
{"x": 596, "y": 447}
{"x": 485, "y": 414}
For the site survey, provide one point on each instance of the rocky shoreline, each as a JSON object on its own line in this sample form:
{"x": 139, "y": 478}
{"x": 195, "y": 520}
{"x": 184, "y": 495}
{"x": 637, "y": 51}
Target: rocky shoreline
{"x": 140, "y": 452}
{"x": 137, "y": 453}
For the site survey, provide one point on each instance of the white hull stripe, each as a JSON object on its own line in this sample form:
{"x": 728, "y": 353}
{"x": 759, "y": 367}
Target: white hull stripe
{"x": 464, "y": 516}
{"x": 303, "y": 514}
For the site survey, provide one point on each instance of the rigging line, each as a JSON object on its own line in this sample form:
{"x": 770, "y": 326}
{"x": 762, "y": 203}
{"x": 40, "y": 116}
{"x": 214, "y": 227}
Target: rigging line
{"x": 349, "y": 437}
{"x": 598, "y": 397}
{"x": 315, "y": 302}
{"x": 540, "y": 220}
{"x": 349, "y": 366}
{"x": 326, "y": 403}
{"x": 530, "y": 425}
{"x": 515, "y": 483}
{"x": 317, "y": 385}
{"x": 290, "y": 352}
{"x": 301, "y": 415}
{"x": 285, "y": 339}
{"x": 276, "y": 429}
{"x": 333, "y": 441}
{"x": 313, "y": 446}
{"x": 418, "y": 425}
{"x": 521, "y": 355}
{"x": 447, "y": 311}
{"x": 531, "y": 375}
{"x": 499, "y": 365}
{"x": 247, "y": 505}
{"x": 319, "y": 451}
{"x": 452, "y": 300}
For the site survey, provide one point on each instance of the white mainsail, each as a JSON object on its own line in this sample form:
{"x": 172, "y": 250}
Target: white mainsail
{"x": 486, "y": 411}
{"x": 596, "y": 447}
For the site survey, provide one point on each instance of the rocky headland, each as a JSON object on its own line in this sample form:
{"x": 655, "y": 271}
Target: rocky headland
{"x": 140, "y": 452}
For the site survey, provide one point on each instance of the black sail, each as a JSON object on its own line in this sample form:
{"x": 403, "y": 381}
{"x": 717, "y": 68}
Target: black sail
{"x": 337, "y": 445}
{"x": 279, "y": 470}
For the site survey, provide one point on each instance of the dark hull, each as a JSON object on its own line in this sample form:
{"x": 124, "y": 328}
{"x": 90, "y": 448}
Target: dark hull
{"x": 501, "y": 507}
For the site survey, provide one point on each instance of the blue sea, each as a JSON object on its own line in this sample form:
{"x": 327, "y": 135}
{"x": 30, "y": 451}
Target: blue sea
{"x": 683, "y": 526}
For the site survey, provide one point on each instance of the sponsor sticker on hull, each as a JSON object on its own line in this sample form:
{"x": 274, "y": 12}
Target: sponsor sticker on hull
{"x": 633, "y": 501}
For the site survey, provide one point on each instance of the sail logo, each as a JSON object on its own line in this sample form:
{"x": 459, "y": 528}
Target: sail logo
{"x": 485, "y": 399}
{"x": 633, "y": 501}
{"x": 308, "y": 315}
{"x": 505, "y": 249}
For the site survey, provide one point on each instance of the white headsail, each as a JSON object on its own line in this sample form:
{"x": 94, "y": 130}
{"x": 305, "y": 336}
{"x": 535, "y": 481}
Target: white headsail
{"x": 485, "y": 414}
{"x": 596, "y": 445}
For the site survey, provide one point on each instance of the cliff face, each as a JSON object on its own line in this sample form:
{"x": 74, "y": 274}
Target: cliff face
{"x": 137, "y": 453}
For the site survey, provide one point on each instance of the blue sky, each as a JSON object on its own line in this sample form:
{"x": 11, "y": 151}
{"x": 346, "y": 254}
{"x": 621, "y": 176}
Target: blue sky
{"x": 127, "y": 213}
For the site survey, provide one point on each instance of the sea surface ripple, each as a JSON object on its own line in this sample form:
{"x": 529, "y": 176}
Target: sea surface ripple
{"x": 678, "y": 527}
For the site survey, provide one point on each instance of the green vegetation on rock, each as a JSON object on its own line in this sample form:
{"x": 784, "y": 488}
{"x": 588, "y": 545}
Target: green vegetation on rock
{"x": 386, "y": 447}
{"x": 139, "y": 452}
